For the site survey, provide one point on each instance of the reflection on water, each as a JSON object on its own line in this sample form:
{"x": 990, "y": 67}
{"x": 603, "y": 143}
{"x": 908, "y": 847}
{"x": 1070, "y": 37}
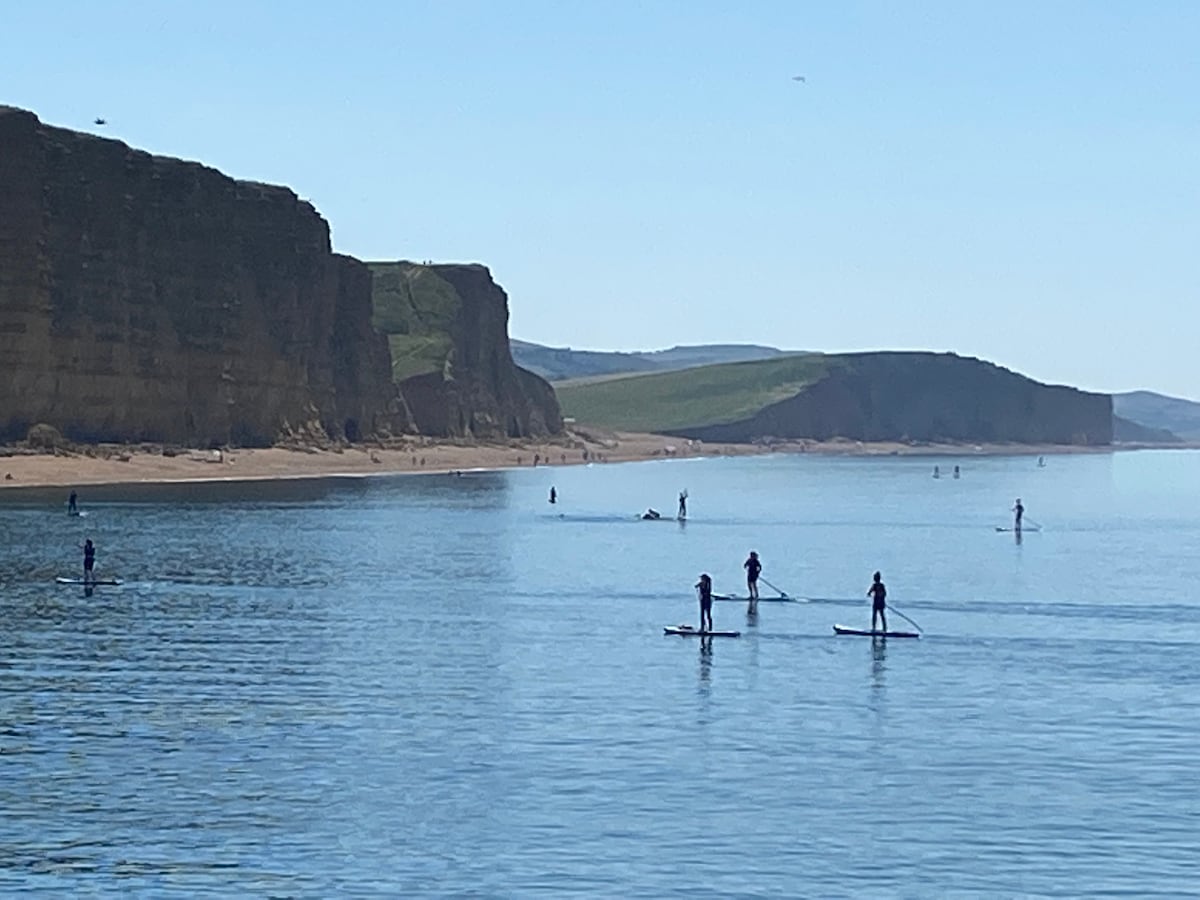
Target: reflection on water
{"x": 428, "y": 686}
{"x": 878, "y": 661}
{"x": 706, "y": 660}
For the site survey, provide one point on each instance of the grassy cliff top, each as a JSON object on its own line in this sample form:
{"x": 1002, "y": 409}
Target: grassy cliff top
{"x": 707, "y": 395}
{"x": 416, "y": 309}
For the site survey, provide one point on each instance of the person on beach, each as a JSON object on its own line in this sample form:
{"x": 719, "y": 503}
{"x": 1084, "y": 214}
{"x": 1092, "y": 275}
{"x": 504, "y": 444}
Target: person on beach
{"x": 704, "y": 591}
{"x": 89, "y": 560}
{"x": 753, "y": 567}
{"x": 1019, "y": 513}
{"x": 683, "y": 504}
{"x": 72, "y": 502}
{"x": 878, "y": 594}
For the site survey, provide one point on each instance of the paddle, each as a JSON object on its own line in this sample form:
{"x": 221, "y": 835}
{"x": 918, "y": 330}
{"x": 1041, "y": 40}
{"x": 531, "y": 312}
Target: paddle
{"x": 906, "y": 619}
{"x": 772, "y": 587}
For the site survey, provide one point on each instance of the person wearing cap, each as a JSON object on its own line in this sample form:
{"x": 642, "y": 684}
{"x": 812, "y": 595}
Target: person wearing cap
{"x": 752, "y": 567}
{"x": 704, "y": 590}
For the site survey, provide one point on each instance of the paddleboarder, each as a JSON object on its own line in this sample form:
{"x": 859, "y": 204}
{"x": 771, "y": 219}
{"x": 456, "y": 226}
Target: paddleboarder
{"x": 89, "y": 560}
{"x": 553, "y": 494}
{"x": 652, "y": 514}
{"x": 753, "y": 567}
{"x": 1019, "y": 512}
{"x": 72, "y": 501}
{"x": 683, "y": 504}
{"x": 704, "y": 591}
{"x": 878, "y": 594}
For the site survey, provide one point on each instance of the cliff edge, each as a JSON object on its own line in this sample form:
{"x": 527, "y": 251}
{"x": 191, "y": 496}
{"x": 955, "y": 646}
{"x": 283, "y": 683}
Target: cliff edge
{"x": 144, "y": 298}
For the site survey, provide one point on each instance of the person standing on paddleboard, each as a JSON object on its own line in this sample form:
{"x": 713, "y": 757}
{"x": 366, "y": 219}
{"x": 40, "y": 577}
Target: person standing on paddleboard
{"x": 878, "y": 594}
{"x": 72, "y": 504}
{"x": 704, "y": 591}
{"x": 89, "y": 560}
{"x": 753, "y": 567}
{"x": 683, "y": 504}
{"x": 1019, "y": 512}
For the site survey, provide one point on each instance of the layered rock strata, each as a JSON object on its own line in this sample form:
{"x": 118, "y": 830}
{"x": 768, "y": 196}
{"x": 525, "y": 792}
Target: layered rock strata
{"x": 144, "y": 298}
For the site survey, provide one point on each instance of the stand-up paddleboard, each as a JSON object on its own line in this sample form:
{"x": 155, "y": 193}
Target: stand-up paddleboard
{"x": 1023, "y": 529}
{"x": 109, "y": 581}
{"x": 685, "y": 630}
{"x": 731, "y": 599}
{"x": 843, "y": 629}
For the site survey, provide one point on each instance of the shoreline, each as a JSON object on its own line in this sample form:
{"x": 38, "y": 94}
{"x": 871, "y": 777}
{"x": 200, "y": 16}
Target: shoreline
{"x": 114, "y": 464}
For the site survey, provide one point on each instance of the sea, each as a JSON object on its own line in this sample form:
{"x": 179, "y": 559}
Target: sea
{"x": 445, "y": 686}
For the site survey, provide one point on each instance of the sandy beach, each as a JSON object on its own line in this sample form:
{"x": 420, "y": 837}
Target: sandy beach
{"x": 108, "y": 464}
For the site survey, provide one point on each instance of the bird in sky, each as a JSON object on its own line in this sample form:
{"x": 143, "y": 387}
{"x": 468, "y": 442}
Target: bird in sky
{"x": 100, "y": 121}
{"x": 799, "y": 78}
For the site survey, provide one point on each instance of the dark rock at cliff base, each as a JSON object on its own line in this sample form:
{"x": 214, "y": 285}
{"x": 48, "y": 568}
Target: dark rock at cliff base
{"x": 923, "y": 397}
{"x": 150, "y": 299}
{"x": 447, "y": 328}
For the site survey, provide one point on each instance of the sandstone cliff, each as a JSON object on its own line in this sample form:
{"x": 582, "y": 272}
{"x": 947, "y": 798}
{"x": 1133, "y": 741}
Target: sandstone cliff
{"x": 447, "y": 327}
{"x": 151, "y": 299}
{"x": 924, "y": 397}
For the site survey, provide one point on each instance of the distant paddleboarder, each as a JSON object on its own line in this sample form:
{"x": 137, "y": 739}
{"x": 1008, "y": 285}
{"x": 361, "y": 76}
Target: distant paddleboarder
{"x": 936, "y": 472}
{"x": 683, "y": 504}
{"x": 704, "y": 592}
{"x": 72, "y": 504}
{"x": 553, "y": 494}
{"x": 753, "y": 567}
{"x": 956, "y": 471}
{"x": 1018, "y": 514}
{"x": 878, "y": 594}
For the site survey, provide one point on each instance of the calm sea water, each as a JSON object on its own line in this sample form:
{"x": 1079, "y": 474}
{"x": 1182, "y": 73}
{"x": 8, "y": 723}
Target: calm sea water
{"x": 444, "y": 686}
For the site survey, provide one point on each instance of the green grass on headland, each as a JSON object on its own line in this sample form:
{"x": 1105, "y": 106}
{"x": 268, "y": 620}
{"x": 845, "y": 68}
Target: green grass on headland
{"x": 707, "y": 395}
{"x": 417, "y": 310}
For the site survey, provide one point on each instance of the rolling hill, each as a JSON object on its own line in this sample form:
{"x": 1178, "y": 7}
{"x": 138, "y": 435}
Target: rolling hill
{"x": 1160, "y": 412}
{"x": 563, "y": 363}
{"x": 896, "y": 396}
{"x": 683, "y": 398}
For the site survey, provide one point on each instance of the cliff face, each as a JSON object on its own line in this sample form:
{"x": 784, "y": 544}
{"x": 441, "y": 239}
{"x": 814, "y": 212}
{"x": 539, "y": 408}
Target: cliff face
{"x": 448, "y": 333}
{"x": 926, "y": 397}
{"x": 146, "y": 298}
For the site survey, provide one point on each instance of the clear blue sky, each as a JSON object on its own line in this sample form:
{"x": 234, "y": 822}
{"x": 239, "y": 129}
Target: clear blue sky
{"x": 1016, "y": 181}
